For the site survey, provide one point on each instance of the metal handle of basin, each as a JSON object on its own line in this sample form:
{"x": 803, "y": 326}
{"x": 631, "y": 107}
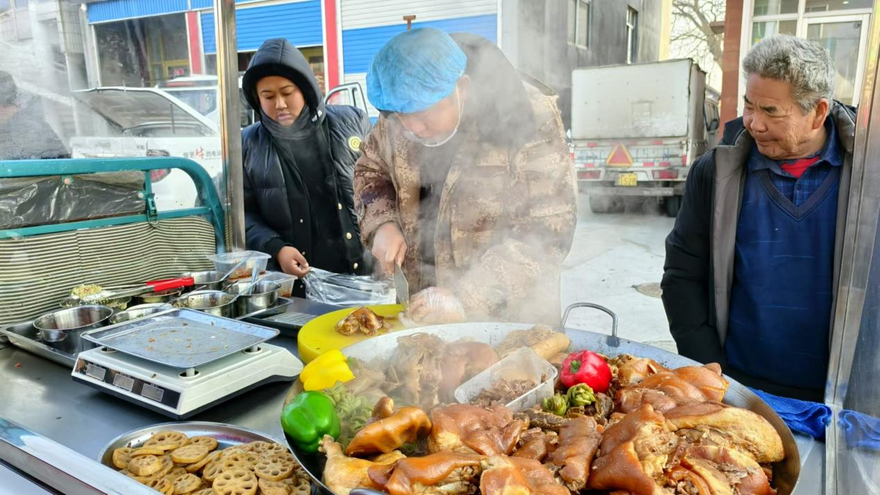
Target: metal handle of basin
{"x": 610, "y": 313}
{"x": 366, "y": 491}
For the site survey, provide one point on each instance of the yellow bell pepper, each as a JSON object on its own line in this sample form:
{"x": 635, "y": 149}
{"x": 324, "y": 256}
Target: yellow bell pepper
{"x": 325, "y": 370}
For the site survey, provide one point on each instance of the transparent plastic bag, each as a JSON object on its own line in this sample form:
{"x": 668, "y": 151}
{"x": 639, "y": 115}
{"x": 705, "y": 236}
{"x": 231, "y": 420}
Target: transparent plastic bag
{"x": 347, "y": 290}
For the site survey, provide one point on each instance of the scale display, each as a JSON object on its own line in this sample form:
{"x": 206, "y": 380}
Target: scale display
{"x": 130, "y": 384}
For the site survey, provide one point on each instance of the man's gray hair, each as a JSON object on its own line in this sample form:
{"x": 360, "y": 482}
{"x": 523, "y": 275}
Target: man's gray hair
{"x": 802, "y": 63}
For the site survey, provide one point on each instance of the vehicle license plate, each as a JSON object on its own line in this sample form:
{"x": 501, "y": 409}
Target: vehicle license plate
{"x": 627, "y": 180}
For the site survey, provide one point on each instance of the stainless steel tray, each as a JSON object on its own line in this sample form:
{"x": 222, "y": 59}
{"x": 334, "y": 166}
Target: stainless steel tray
{"x": 25, "y": 336}
{"x": 181, "y": 338}
{"x": 274, "y": 310}
{"x": 226, "y": 435}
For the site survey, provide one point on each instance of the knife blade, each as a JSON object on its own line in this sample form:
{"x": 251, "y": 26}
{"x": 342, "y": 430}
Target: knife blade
{"x": 401, "y": 286}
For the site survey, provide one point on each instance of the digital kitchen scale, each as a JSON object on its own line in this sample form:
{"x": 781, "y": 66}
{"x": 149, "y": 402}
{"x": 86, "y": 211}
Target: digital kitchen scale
{"x": 181, "y": 362}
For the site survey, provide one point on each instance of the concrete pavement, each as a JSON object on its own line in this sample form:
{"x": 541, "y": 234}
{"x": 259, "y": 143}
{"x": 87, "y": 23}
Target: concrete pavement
{"x": 611, "y": 255}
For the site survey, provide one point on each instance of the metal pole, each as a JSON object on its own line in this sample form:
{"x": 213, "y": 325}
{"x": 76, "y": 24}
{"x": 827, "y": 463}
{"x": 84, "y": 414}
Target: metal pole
{"x": 855, "y": 271}
{"x": 230, "y": 125}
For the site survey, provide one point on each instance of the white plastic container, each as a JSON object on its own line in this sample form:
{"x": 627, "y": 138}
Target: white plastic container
{"x": 223, "y": 262}
{"x": 523, "y": 364}
{"x": 283, "y": 279}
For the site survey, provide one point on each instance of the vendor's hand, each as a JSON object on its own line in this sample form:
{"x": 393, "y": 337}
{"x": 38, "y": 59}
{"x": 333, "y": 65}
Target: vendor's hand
{"x": 433, "y": 306}
{"x": 389, "y": 246}
{"x": 293, "y": 262}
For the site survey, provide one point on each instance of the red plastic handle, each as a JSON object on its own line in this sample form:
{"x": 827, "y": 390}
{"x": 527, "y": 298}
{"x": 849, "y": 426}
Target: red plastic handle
{"x": 174, "y": 283}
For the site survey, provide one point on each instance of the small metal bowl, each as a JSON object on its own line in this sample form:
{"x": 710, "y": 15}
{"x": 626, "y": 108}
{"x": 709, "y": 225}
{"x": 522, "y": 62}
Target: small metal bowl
{"x": 207, "y": 280}
{"x": 262, "y": 295}
{"x": 159, "y": 297}
{"x": 214, "y": 302}
{"x": 62, "y": 328}
{"x": 139, "y": 311}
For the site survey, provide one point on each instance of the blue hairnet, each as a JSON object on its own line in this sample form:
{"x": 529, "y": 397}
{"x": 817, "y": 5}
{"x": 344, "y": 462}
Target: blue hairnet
{"x": 414, "y": 70}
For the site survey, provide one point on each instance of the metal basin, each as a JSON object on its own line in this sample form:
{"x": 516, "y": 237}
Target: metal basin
{"x": 226, "y": 436}
{"x": 207, "y": 280}
{"x": 139, "y": 311}
{"x": 785, "y": 473}
{"x": 214, "y": 302}
{"x": 62, "y": 329}
{"x": 262, "y": 295}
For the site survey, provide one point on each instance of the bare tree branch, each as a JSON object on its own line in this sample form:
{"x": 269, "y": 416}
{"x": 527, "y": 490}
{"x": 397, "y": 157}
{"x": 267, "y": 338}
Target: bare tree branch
{"x": 692, "y": 28}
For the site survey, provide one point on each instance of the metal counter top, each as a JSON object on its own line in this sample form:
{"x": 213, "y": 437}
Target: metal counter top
{"x": 41, "y": 396}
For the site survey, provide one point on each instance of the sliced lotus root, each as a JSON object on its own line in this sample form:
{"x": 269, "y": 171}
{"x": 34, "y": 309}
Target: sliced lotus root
{"x": 240, "y": 460}
{"x": 267, "y": 449}
{"x": 161, "y": 485}
{"x": 273, "y": 468}
{"x": 141, "y": 479}
{"x": 145, "y": 465}
{"x": 186, "y": 483}
{"x": 235, "y": 449}
{"x": 192, "y": 468}
{"x": 273, "y": 488}
{"x": 299, "y": 486}
{"x": 166, "y": 440}
{"x": 209, "y": 442}
{"x": 213, "y": 470}
{"x": 167, "y": 464}
{"x": 282, "y": 455}
{"x": 203, "y": 491}
{"x": 121, "y": 457}
{"x": 175, "y": 473}
{"x": 189, "y": 454}
{"x": 235, "y": 482}
{"x": 147, "y": 451}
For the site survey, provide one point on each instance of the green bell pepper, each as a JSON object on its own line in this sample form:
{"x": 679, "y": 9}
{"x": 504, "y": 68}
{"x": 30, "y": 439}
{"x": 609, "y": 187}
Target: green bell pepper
{"x": 308, "y": 418}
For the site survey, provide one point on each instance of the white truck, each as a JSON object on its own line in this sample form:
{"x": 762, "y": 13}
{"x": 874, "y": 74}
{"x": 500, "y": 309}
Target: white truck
{"x": 136, "y": 122}
{"x": 637, "y": 129}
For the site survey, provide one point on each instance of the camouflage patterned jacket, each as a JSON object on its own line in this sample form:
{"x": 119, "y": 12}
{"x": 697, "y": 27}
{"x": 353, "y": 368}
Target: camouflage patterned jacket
{"x": 506, "y": 219}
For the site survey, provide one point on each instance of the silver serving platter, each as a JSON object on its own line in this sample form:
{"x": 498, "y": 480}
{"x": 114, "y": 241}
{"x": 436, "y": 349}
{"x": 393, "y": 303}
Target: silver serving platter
{"x": 785, "y": 473}
{"x": 26, "y": 336}
{"x": 181, "y": 338}
{"x": 226, "y": 436}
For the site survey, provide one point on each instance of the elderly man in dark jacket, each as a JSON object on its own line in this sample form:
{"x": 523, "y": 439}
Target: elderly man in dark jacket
{"x": 752, "y": 263}
{"x": 299, "y": 162}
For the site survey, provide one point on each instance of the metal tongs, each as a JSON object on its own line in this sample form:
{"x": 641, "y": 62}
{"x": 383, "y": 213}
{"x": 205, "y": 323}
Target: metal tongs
{"x": 122, "y": 292}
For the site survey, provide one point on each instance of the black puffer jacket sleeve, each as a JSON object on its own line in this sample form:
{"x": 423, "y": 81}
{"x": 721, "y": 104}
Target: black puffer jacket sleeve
{"x": 687, "y": 278}
{"x": 260, "y": 237}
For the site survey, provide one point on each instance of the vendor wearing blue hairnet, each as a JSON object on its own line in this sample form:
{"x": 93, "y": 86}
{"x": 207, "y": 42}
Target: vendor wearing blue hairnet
{"x": 466, "y": 180}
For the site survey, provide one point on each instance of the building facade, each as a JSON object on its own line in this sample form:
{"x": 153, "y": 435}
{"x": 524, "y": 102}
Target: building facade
{"x": 547, "y": 39}
{"x": 841, "y": 26}
{"x": 147, "y": 42}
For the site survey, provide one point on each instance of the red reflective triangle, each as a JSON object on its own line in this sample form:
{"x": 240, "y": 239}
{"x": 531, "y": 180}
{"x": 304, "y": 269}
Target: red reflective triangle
{"x": 619, "y": 156}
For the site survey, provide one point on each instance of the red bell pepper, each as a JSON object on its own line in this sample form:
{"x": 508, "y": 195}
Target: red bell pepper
{"x": 586, "y": 367}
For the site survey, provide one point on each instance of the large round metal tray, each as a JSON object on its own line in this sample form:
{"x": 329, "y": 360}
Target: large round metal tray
{"x": 785, "y": 473}
{"x": 226, "y": 435}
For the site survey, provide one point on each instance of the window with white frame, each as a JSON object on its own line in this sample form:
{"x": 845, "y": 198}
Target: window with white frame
{"x": 840, "y": 26}
{"x": 579, "y": 22}
{"x": 632, "y": 35}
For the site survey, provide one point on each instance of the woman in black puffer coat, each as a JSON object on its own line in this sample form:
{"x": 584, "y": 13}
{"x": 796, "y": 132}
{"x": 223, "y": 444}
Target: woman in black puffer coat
{"x": 298, "y": 166}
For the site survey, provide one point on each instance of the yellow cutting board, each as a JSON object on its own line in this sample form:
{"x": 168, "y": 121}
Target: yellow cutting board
{"x": 319, "y": 335}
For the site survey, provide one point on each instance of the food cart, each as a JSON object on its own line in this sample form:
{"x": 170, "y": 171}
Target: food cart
{"x": 53, "y": 430}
